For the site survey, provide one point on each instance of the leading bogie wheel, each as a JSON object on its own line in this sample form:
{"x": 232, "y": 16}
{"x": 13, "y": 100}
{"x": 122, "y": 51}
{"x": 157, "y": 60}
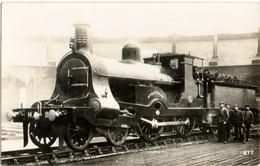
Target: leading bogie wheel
{"x": 41, "y": 136}
{"x": 78, "y": 135}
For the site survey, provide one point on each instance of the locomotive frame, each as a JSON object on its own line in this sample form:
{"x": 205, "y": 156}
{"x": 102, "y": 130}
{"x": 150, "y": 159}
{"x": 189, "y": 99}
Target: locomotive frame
{"x": 97, "y": 96}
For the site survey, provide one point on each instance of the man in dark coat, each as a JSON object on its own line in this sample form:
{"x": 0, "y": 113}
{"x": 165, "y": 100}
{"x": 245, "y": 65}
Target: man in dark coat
{"x": 249, "y": 119}
{"x": 230, "y": 120}
{"x": 222, "y": 121}
{"x": 196, "y": 73}
{"x": 238, "y": 124}
{"x": 198, "y": 80}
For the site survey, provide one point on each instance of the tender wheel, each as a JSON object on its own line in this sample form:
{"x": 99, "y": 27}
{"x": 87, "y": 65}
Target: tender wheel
{"x": 117, "y": 136}
{"x": 186, "y": 130}
{"x": 203, "y": 129}
{"x": 41, "y": 136}
{"x": 149, "y": 133}
{"x": 78, "y": 135}
{"x": 214, "y": 130}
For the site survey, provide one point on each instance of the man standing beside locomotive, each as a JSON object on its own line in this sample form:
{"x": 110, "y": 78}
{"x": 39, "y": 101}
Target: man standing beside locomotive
{"x": 230, "y": 120}
{"x": 249, "y": 119}
{"x": 223, "y": 117}
{"x": 238, "y": 124}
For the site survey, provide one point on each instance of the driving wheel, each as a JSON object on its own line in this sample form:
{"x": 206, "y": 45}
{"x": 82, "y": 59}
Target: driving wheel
{"x": 117, "y": 136}
{"x": 149, "y": 133}
{"x": 78, "y": 135}
{"x": 186, "y": 130}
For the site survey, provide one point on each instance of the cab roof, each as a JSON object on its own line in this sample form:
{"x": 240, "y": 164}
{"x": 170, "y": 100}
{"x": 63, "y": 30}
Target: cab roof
{"x": 167, "y": 56}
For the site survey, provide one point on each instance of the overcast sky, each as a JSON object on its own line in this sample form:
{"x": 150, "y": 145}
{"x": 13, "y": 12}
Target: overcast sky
{"x": 130, "y": 19}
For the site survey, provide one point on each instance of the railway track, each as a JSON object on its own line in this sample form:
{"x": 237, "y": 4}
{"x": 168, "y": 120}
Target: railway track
{"x": 96, "y": 150}
{"x": 103, "y": 149}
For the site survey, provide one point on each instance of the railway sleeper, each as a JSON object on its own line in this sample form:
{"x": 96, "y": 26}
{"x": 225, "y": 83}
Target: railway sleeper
{"x": 96, "y": 151}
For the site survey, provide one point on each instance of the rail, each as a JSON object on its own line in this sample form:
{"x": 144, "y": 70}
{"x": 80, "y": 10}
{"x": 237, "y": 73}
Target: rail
{"x": 103, "y": 149}
{"x": 96, "y": 150}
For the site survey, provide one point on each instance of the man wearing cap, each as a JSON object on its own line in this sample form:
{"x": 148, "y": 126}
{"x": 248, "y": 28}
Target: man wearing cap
{"x": 238, "y": 124}
{"x": 222, "y": 120}
{"x": 249, "y": 119}
{"x": 230, "y": 120}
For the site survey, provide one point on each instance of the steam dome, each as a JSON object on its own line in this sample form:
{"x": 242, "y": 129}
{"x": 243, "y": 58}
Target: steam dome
{"x": 131, "y": 51}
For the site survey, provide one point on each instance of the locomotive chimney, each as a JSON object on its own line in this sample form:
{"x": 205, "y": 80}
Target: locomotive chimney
{"x": 80, "y": 40}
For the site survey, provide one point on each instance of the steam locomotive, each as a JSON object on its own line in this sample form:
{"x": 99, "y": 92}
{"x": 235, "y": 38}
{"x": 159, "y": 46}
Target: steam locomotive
{"x": 97, "y": 96}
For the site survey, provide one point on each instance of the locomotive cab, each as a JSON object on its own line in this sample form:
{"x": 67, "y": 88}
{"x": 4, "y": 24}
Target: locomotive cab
{"x": 181, "y": 66}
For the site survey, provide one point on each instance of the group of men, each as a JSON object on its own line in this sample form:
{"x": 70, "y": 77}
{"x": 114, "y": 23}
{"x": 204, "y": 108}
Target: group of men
{"x": 210, "y": 75}
{"x": 240, "y": 120}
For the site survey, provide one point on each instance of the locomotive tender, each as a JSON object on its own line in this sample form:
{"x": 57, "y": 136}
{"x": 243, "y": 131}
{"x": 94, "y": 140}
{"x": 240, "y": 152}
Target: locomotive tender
{"x": 96, "y": 96}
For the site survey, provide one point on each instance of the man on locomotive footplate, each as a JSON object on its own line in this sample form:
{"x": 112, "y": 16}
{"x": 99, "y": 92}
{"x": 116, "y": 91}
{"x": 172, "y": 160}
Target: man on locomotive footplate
{"x": 238, "y": 124}
{"x": 230, "y": 120}
{"x": 222, "y": 121}
{"x": 196, "y": 74}
{"x": 249, "y": 119}
{"x": 198, "y": 79}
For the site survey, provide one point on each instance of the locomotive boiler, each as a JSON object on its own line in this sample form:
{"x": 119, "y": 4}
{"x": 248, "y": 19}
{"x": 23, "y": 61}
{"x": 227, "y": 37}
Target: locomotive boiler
{"x": 97, "y": 96}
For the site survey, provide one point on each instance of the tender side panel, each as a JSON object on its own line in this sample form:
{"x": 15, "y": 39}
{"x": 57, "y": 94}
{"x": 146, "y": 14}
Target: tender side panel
{"x": 232, "y": 95}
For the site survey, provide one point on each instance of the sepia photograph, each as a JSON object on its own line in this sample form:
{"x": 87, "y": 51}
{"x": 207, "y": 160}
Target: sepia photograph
{"x": 130, "y": 83}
